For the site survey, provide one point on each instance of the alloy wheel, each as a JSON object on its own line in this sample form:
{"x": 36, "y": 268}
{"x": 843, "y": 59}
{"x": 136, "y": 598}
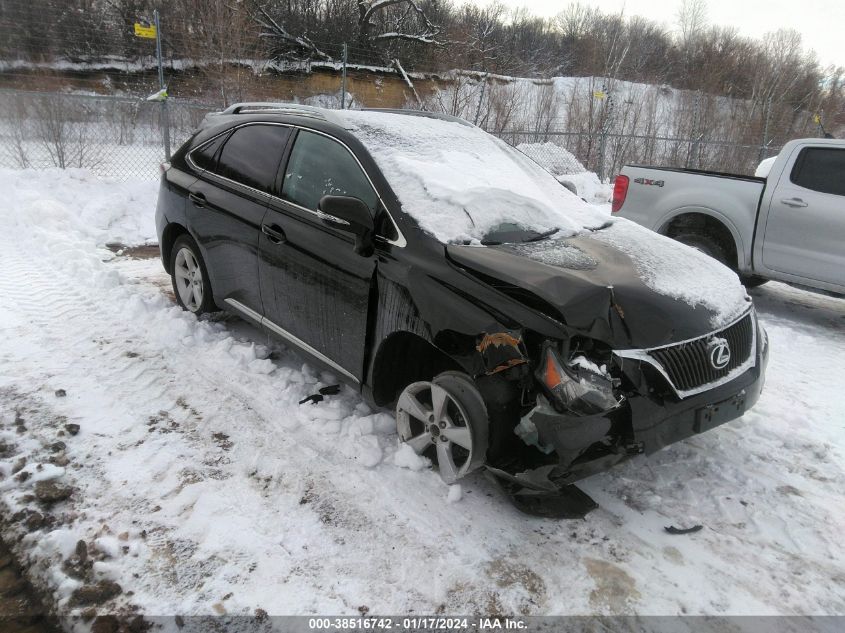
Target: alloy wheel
{"x": 444, "y": 419}
{"x": 188, "y": 276}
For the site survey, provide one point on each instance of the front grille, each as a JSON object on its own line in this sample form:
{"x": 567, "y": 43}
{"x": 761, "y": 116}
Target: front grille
{"x": 688, "y": 365}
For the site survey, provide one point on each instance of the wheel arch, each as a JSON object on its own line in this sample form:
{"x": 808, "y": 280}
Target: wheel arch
{"x": 168, "y": 237}
{"x": 392, "y": 370}
{"x": 710, "y": 223}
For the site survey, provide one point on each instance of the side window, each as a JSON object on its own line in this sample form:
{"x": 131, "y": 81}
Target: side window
{"x": 318, "y": 167}
{"x": 820, "y": 169}
{"x": 206, "y": 156}
{"x": 252, "y": 154}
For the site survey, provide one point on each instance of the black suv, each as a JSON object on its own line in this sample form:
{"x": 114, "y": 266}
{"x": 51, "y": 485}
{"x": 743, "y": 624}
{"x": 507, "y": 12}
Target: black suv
{"x": 439, "y": 270}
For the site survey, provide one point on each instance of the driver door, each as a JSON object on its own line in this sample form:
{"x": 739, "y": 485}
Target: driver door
{"x": 316, "y": 289}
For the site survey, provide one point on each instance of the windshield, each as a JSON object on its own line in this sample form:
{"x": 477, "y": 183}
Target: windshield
{"x": 466, "y": 186}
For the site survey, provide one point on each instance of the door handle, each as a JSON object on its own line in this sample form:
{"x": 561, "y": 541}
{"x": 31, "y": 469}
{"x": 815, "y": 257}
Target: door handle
{"x": 198, "y": 199}
{"x": 274, "y": 233}
{"x": 793, "y": 202}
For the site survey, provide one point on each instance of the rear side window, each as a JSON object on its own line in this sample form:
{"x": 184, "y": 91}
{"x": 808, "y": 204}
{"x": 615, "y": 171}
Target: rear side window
{"x": 252, "y": 155}
{"x": 820, "y": 169}
{"x": 318, "y": 167}
{"x": 206, "y": 156}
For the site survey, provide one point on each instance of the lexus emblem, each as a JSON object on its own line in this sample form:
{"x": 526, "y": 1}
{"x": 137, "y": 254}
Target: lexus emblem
{"x": 720, "y": 352}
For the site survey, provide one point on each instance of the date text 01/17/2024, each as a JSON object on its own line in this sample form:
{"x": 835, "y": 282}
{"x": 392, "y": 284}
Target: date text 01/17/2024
{"x": 414, "y": 624}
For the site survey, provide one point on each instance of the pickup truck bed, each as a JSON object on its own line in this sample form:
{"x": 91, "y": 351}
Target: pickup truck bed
{"x": 789, "y": 226}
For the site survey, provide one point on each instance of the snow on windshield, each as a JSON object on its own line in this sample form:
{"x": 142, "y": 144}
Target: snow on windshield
{"x": 459, "y": 183}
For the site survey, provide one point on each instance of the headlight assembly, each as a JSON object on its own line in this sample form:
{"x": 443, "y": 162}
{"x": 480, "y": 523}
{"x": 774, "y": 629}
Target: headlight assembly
{"x": 579, "y": 388}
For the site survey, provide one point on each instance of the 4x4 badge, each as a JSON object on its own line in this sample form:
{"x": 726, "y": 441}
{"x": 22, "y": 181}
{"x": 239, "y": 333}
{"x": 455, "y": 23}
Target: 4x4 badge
{"x": 720, "y": 352}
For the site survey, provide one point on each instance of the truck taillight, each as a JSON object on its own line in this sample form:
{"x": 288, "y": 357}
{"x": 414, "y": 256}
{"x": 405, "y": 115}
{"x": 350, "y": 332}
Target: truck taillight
{"x": 620, "y": 190}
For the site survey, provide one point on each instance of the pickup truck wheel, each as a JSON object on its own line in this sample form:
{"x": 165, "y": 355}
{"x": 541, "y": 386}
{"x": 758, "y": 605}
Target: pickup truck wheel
{"x": 445, "y": 420}
{"x": 707, "y": 245}
{"x": 752, "y": 281}
{"x": 190, "y": 277}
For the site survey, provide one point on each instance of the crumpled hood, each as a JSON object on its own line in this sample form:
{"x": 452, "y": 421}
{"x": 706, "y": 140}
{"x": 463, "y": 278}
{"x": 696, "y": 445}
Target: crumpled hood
{"x": 603, "y": 292}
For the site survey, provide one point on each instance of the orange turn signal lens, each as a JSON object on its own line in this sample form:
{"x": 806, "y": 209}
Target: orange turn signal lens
{"x": 551, "y": 376}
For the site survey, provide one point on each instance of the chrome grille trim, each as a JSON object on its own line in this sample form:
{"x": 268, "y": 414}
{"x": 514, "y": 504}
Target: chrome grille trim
{"x": 680, "y": 363}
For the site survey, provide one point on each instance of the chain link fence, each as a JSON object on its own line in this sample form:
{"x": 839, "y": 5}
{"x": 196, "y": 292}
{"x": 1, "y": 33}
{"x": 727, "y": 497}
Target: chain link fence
{"x": 606, "y": 154}
{"x": 123, "y": 138}
{"x": 114, "y": 137}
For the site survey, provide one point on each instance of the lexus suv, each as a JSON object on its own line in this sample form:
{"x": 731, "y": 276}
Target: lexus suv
{"x": 441, "y": 272}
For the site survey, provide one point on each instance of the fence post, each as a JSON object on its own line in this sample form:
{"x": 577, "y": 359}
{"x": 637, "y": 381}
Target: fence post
{"x": 165, "y": 114}
{"x": 764, "y": 146}
{"x": 343, "y": 81}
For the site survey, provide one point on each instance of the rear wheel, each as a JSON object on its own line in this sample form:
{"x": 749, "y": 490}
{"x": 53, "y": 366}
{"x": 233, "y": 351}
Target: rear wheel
{"x": 708, "y": 245}
{"x": 752, "y": 281}
{"x": 445, "y": 420}
{"x": 189, "y": 276}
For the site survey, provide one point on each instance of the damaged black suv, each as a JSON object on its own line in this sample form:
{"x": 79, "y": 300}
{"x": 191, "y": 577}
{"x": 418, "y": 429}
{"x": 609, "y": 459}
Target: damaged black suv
{"x": 439, "y": 270}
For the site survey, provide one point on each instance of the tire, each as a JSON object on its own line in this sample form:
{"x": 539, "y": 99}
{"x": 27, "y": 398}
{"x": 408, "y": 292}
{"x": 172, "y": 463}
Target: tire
{"x": 707, "y": 245}
{"x": 189, "y": 277}
{"x": 457, "y": 442}
{"x": 752, "y": 281}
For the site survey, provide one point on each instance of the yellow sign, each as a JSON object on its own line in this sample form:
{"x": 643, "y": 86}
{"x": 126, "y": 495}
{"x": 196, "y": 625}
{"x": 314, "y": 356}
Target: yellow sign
{"x": 145, "y": 30}
{"x": 598, "y": 94}
{"x": 817, "y": 119}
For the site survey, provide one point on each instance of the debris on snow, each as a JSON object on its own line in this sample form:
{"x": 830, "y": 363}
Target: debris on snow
{"x": 51, "y": 491}
{"x": 692, "y": 530}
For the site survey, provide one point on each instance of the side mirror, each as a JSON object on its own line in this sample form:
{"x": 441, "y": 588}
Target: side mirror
{"x": 351, "y": 215}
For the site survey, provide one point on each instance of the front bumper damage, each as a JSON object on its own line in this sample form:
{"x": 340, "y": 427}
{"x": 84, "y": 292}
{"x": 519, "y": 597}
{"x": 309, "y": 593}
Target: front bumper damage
{"x": 568, "y": 448}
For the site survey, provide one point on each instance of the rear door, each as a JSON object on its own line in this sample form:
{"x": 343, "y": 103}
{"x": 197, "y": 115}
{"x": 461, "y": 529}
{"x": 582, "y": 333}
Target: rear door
{"x": 316, "y": 288}
{"x": 805, "y": 229}
{"x": 227, "y": 203}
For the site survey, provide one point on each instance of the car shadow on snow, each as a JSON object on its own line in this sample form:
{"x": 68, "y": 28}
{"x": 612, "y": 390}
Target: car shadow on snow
{"x": 799, "y": 308}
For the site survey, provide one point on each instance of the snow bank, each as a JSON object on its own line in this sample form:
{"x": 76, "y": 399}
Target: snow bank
{"x": 568, "y": 171}
{"x": 459, "y": 182}
{"x": 120, "y": 212}
{"x": 553, "y": 158}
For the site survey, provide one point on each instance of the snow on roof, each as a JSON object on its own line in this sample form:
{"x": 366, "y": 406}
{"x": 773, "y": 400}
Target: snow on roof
{"x": 458, "y": 182}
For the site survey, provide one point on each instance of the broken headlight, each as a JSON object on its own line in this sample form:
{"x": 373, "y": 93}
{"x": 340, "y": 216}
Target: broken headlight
{"x": 579, "y": 387}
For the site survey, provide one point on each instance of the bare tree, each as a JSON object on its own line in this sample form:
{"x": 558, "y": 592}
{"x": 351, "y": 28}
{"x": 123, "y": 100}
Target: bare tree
{"x": 385, "y": 21}
{"x": 287, "y": 43}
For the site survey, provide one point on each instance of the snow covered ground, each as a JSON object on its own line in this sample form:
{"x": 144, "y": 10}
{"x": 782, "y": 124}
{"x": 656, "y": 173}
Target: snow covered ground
{"x": 199, "y": 485}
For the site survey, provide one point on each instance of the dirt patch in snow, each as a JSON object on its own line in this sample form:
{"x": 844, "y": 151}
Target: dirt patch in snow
{"x": 21, "y": 609}
{"x": 144, "y": 251}
{"x": 616, "y": 591}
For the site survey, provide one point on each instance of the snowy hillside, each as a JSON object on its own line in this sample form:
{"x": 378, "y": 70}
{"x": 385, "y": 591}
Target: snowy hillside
{"x": 168, "y": 460}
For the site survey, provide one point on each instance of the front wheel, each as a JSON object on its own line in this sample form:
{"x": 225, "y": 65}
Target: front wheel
{"x": 445, "y": 420}
{"x": 190, "y": 277}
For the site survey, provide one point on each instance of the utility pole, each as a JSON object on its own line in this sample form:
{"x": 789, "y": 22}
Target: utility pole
{"x": 165, "y": 115}
{"x": 343, "y": 82}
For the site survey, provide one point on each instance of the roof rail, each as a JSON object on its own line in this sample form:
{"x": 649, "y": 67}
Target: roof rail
{"x": 286, "y": 107}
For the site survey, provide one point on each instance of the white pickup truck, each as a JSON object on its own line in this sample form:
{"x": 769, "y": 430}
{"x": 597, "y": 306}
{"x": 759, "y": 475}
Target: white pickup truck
{"x": 788, "y": 226}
